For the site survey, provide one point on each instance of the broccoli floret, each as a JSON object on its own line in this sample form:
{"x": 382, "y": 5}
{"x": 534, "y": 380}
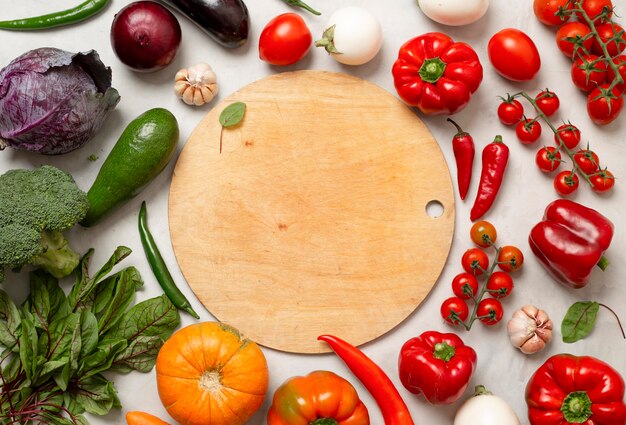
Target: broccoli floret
{"x": 35, "y": 207}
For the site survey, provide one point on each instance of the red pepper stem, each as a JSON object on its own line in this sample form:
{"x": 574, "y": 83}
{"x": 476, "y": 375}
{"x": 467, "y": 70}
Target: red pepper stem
{"x": 576, "y": 407}
{"x": 432, "y": 70}
{"x": 459, "y": 131}
{"x": 324, "y": 421}
{"x": 444, "y": 351}
{"x": 375, "y": 380}
{"x": 603, "y": 263}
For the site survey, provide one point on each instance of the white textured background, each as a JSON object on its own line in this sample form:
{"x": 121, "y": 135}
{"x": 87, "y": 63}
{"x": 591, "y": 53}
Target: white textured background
{"x": 521, "y": 202}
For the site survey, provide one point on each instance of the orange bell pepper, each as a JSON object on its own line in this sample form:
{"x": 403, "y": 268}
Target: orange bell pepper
{"x": 320, "y": 398}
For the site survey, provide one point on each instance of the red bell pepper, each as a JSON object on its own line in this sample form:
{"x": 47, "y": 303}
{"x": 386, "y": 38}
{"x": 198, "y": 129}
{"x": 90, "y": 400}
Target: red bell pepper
{"x": 437, "y": 365}
{"x": 435, "y": 74}
{"x": 568, "y": 389}
{"x": 570, "y": 241}
{"x": 374, "y": 379}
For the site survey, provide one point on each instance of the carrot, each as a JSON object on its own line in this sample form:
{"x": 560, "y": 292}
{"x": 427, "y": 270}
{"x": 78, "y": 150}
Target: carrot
{"x": 143, "y": 418}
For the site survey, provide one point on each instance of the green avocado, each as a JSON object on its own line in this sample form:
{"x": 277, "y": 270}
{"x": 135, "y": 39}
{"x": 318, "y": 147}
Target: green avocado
{"x": 143, "y": 150}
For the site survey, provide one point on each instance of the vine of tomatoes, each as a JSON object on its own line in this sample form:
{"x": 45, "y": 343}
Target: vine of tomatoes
{"x": 585, "y": 163}
{"x": 467, "y": 286}
{"x": 596, "y": 45}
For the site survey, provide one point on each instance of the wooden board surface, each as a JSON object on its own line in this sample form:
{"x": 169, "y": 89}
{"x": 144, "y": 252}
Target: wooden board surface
{"x": 313, "y": 218}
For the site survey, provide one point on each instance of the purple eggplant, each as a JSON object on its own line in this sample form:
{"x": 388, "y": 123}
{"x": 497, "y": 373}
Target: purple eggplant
{"x": 226, "y": 21}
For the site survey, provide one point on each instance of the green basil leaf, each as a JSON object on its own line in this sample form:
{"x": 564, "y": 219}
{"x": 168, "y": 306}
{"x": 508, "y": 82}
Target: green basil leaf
{"x": 28, "y": 348}
{"x": 579, "y": 320}
{"x": 153, "y": 317}
{"x": 232, "y": 114}
{"x": 140, "y": 355}
{"x": 101, "y": 359}
{"x": 10, "y": 321}
{"x": 88, "y": 332}
{"x": 114, "y": 296}
{"x": 97, "y": 395}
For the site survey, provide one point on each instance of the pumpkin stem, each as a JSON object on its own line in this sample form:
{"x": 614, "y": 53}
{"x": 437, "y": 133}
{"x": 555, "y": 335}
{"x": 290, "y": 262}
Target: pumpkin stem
{"x": 210, "y": 381}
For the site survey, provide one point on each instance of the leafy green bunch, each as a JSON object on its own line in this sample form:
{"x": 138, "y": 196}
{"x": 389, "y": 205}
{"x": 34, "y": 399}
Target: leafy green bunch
{"x": 56, "y": 347}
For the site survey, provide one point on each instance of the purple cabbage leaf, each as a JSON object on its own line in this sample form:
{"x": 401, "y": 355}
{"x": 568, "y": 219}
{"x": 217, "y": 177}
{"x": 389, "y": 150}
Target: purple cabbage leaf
{"x": 53, "y": 101}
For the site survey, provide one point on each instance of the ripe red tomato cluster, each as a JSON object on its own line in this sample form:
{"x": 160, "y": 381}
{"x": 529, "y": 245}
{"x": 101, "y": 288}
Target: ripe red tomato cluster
{"x": 567, "y": 138}
{"x": 597, "y": 54}
{"x": 497, "y": 284}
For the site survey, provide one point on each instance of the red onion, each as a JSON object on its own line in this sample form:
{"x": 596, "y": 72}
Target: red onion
{"x": 145, "y": 36}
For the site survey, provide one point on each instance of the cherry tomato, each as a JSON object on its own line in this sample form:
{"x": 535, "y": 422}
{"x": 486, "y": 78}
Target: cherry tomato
{"x": 528, "y": 131}
{"x": 603, "y": 106}
{"x": 602, "y": 181}
{"x": 285, "y": 40}
{"x": 572, "y": 35}
{"x": 465, "y": 285}
{"x": 475, "y": 261}
{"x": 500, "y": 284}
{"x": 587, "y": 161}
{"x": 510, "y": 112}
{"x": 566, "y": 183}
{"x": 489, "y": 311}
{"x": 483, "y": 233}
{"x": 547, "y": 102}
{"x": 548, "y": 159}
{"x": 510, "y": 258}
{"x": 607, "y": 32}
{"x": 570, "y": 136}
{"x": 593, "y": 8}
{"x": 453, "y": 310}
{"x": 620, "y": 61}
{"x": 589, "y": 72}
{"x": 514, "y": 55}
{"x": 547, "y": 11}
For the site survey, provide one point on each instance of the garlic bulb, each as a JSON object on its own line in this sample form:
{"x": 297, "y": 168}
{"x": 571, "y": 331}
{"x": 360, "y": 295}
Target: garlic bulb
{"x": 196, "y": 85}
{"x": 530, "y": 329}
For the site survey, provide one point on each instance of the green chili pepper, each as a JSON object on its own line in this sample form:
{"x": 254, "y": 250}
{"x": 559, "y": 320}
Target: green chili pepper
{"x": 79, "y": 13}
{"x": 303, "y": 5}
{"x": 158, "y": 266}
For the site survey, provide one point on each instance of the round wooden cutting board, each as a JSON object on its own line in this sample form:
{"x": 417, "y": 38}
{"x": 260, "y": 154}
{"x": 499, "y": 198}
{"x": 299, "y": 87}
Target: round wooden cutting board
{"x": 313, "y": 218}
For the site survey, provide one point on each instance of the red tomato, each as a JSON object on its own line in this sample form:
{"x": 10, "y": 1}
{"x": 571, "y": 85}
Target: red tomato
{"x": 570, "y": 136}
{"x": 528, "y": 131}
{"x": 510, "y": 258}
{"x": 465, "y": 285}
{"x": 548, "y": 102}
{"x": 483, "y": 234}
{"x": 602, "y": 181}
{"x": 607, "y": 32}
{"x": 475, "y": 261}
{"x": 489, "y": 311}
{"x": 550, "y": 12}
{"x": 620, "y": 61}
{"x": 285, "y": 40}
{"x": 565, "y": 183}
{"x": 514, "y": 55}
{"x": 589, "y": 72}
{"x": 604, "y": 106}
{"x": 594, "y": 8}
{"x": 572, "y": 35}
{"x": 500, "y": 284}
{"x": 548, "y": 159}
{"x": 587, "y": 161}
{"x": 454, "y": 310}
{"x": 510, "y": 112}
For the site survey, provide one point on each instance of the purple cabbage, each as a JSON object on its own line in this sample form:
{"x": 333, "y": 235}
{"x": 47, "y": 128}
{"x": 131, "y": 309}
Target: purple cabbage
{"x": 53, "y": 101}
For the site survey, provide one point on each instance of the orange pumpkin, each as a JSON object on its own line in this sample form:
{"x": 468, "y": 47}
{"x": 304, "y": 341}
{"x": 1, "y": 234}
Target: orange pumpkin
{"x": 143, "y": 418}
{"x": 208, "y": 374}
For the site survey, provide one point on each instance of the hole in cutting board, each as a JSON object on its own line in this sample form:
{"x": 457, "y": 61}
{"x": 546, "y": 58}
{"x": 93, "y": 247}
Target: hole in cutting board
{"x": 434, "y": 209}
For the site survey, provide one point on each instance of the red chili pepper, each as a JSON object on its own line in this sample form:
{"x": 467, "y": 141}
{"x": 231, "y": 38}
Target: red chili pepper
{"x": 435, "y": 74}
{"x": 495, "y": 158}
{"x": 570, "y": 241}
{"x": 374, "y": 379}
{"x": 568, "y": 389}
{"x": 463, "y": 148}
{"x": 437, "y": 365}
